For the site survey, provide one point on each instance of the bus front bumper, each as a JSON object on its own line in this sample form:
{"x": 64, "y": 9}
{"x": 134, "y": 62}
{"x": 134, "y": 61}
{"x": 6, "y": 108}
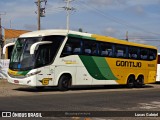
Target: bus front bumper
{"x": 29, "y": 81}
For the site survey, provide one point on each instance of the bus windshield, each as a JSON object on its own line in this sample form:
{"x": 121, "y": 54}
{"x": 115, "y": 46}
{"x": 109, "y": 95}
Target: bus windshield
{"x": 21, "y": 58}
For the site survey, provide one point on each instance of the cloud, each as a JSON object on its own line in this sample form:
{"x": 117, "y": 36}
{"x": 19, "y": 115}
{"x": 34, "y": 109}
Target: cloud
{"x": 143, "y": 2}
{"x": 137, "y": 10}
{"x": 123, "y": 2}
{"x": 107, "y": 2}
{"x": 110, "y": 31}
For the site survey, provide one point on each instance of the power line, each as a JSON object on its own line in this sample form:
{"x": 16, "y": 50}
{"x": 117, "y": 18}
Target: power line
{"x": 115, "y": 19}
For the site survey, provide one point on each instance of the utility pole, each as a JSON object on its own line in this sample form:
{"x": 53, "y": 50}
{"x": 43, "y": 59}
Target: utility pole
{"x": 40, "y": 11}
{"x": 127, "y": 36}
{"x": 68, "y": 9}
{"x": 39, "y": 19}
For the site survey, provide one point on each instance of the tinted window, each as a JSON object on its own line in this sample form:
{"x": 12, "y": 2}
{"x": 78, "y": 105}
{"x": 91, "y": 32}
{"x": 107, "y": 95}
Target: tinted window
{"x": 144, "y": 54}
{"x": 158, "y": 59}
{"x": 78, "y": 46}
{"x": 152, "y": 54}
{"x": 106, "y": 49}
{"x": 133, "y": 52}
{"x": 120, "y": 51}
{"x": 73, "y": 46}
{"x": 89, "y": 47}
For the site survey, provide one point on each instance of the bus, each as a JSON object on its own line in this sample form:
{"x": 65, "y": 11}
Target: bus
{"x": 158, "y": 69}
{"x": 68, "y": 58}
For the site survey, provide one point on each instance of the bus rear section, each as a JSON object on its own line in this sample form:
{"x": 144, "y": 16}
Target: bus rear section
{"x": 158, "y": 69}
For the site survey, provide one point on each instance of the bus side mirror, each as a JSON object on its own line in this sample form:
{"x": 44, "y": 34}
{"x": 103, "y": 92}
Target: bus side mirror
{"x": 35, "y": 46}
{"x": 7, "y": 45}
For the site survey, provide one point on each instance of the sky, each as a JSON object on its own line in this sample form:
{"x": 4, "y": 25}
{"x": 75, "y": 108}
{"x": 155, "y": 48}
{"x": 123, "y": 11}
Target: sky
{"x": 140, "y": 18}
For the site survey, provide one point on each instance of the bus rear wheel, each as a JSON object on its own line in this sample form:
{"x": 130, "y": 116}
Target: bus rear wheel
{"x": 130, "y": 82}
{"x": 139, "y": 82}
{"x": 64, "y": 83}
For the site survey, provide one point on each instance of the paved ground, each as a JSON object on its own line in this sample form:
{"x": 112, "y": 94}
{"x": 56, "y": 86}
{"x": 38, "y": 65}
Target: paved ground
{"x": 7, "y": 89}
{"x": 97, "y": 98}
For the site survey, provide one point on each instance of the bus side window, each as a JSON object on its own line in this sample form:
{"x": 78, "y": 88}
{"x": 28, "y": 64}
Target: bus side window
{"x": 152, "y": 54}
{"x": 104, "y": 53}
{"x": 106, "y": 49}
{"x": 89, "y": 47}
{"x": 68, "y": 49}
{"x": 72, "y": 47}
{"x": 133, "y": 52}
{"x": 158, "y": 59}
{"x": 87, "y": 51}
{"x": 144, "y": 54}
{"x": 76, "y": 50}
{"x": 120, "y": 51}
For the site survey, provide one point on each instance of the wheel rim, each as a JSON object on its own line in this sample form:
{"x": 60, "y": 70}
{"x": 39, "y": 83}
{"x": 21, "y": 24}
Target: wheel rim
{"x": 130, "y": 82}
{"x": 65, "y": 83}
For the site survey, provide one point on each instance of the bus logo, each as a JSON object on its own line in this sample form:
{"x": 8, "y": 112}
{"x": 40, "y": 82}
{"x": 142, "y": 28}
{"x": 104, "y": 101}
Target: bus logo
{"x": 45, "y": 81}
{"x": 128, "y": 64}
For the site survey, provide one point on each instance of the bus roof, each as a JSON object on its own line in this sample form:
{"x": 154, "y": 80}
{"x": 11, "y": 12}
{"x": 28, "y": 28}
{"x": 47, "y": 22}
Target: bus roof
{"x": 53, "y": 32}
{"x": 88, "y": 35}
{"x": 119, "y": 41}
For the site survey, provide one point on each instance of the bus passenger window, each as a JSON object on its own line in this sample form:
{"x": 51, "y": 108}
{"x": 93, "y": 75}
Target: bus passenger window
{"x": 72, "y": 47}
{"x": 67, "y": 49}
{"x": 133, "y": 52}
{"x": 76, "y": 50}
{"x": 104, "y": 53}
{"x": 106, "y": 49}
{"x": 88, "y": 51}
{"x": 152, "y": 54}
{"x": 89, "y": 47}
{"x": 120, "y": 51}
{"x": 144, "y": 54}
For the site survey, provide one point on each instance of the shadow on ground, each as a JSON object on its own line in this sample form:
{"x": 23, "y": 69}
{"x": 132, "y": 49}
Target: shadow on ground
{"x": 78, "y": 88}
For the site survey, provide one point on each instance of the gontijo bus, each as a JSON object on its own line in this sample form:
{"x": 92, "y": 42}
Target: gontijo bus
{"x": 63, "y": 58}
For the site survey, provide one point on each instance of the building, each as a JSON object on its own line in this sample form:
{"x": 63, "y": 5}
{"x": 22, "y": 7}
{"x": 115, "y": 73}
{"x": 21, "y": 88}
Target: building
{"x": 11, "y": 35}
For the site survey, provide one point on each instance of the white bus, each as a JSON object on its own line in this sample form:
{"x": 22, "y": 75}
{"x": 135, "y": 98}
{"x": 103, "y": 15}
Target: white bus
{"x": 158, "y": 69}
{"x": 63, "y": 58}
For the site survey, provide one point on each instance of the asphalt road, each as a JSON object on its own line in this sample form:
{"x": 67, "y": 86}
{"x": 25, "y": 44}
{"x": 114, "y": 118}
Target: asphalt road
{"x": 111, "y": 99}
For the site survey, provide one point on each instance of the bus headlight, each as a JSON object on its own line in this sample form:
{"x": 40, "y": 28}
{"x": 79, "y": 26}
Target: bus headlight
{"x": 34, "y": 73}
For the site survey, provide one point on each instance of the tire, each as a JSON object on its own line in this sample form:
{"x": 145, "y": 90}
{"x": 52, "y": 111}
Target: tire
{"x": 139, "y": 82}
{"x": 131, "y": 82}
{"x": 64, "y": 83}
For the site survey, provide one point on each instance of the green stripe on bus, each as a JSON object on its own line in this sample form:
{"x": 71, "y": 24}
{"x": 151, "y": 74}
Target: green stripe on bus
{"x": 98, "y": 68}
{"x": 104, "y": 68}
{"x": 79, "y": 36}
{"x": 91, "y": 67}
{"x": 23, "y": 72}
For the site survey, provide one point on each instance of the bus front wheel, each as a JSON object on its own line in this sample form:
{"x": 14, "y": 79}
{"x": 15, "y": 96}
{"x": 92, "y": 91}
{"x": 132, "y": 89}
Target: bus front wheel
{"x": 64, "y": 82}
{"x": 130, "y": 82}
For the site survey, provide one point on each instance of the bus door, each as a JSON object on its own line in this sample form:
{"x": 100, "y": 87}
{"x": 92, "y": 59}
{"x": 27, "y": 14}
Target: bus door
{"x": 43, "y": 64}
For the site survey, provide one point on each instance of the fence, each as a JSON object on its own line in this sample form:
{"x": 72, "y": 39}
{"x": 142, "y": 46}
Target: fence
{"x": 4, "y": 64}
